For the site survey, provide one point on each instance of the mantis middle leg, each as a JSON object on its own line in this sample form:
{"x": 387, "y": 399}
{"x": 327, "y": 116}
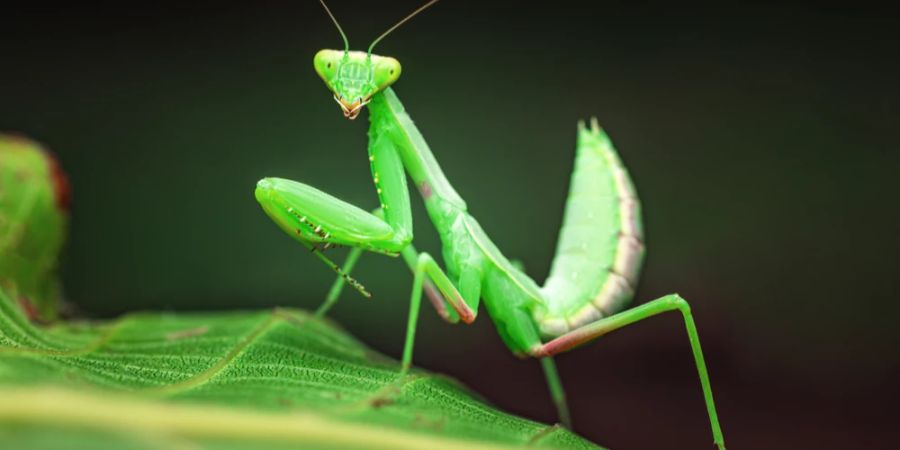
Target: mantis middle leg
{"x": 449, "y": 308}
{"x": 425, "y": 266}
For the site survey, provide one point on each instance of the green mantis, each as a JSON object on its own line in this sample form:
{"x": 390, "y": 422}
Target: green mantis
{"x": 599, "y": 251}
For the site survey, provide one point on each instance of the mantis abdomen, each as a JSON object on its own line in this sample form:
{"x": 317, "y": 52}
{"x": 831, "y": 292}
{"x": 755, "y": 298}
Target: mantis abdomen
{"x": 600, "y": 248}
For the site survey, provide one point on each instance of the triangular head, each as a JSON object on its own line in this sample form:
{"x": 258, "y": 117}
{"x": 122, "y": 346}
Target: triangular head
{"x": 354, "y": 77}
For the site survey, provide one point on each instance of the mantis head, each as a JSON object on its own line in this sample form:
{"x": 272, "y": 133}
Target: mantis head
{"x": 354, "y": 77}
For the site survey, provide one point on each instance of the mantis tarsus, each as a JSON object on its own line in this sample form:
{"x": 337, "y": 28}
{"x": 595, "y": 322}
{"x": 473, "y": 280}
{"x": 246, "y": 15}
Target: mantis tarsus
{"x": 599, "y": 252}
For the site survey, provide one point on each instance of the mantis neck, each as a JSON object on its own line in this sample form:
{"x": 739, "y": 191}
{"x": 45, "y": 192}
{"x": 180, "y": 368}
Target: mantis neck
{"x": 389, "y": 120}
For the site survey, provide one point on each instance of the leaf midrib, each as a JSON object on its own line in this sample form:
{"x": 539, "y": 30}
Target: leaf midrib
{"x": 80, "y": 409}
{"x": 259, "y": 330}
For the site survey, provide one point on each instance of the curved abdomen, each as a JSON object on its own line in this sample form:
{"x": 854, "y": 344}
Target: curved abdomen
{"x": 601, "y": 243}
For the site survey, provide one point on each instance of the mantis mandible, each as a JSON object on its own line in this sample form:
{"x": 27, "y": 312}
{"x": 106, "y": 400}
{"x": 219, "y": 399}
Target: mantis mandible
{"x": 599, "y": 251}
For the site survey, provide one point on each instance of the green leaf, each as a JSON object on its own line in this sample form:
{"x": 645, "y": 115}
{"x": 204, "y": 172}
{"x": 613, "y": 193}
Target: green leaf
{"x": 242, "y": 380}
{"x": 270, "y": 379}
{"x": 33, "y": 215}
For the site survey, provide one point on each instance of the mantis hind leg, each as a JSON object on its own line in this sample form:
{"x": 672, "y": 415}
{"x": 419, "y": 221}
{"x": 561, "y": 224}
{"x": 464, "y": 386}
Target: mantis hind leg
{"x": 596, "y": 329}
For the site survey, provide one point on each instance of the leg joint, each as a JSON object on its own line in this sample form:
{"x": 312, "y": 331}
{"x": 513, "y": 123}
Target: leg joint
{"x": 680, "y": 303}
{"x": 423, "y": 261}
{"x": 405, "y": 238}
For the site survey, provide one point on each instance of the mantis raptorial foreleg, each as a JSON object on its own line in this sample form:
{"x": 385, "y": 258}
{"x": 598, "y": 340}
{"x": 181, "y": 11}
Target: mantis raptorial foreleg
{"x": 335, "y": 292}
{"x": 603, "y": 326}
{"x": 315, "y": 217}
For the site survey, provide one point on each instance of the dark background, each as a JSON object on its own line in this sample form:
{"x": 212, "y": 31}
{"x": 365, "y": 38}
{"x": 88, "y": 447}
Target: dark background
{"x": 762, "y": 139}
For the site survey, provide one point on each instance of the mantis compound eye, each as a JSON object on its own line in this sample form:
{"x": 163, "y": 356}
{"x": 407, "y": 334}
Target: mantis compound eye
{"x": 387, "y": 71}
{"x": 326, "y": 63}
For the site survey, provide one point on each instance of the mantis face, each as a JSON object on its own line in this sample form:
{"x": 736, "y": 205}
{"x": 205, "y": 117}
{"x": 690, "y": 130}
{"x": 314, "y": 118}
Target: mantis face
{"x": 354, "y": 77}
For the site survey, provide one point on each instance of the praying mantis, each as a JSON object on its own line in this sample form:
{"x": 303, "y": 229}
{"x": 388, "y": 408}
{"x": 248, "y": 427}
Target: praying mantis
{"x": 599, "y": 252}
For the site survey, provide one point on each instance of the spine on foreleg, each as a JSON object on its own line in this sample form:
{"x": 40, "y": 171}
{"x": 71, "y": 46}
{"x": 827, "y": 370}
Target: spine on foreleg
{"x": 600, "y": 247}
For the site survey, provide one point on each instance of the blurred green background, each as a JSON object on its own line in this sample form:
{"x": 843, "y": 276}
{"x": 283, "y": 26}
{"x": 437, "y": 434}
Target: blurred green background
{"x": 762, "y": 140}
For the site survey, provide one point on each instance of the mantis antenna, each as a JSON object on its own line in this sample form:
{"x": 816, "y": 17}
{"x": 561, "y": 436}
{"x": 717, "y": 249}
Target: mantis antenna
{"x": 379, "y": 38}
{"x": 340, "y": 30}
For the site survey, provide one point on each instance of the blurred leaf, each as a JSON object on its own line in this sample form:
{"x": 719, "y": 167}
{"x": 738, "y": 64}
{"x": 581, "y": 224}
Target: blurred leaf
{"x": 272, "y": 379}
{"x": 33, "y": 215}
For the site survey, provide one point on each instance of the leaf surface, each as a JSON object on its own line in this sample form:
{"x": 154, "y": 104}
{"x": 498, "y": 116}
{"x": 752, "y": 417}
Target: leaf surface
{"x": 270, "y": 379}
{"x": 235, "y": 380}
